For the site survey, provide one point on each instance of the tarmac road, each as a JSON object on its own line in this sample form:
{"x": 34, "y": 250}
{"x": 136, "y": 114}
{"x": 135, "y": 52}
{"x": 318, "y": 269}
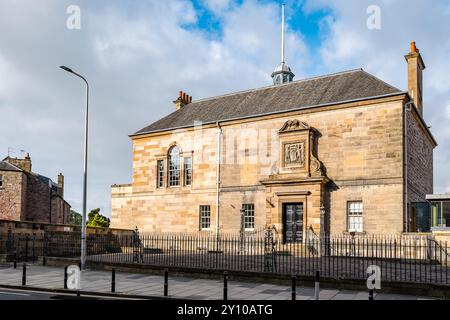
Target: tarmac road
{"x": 13, "y": 294}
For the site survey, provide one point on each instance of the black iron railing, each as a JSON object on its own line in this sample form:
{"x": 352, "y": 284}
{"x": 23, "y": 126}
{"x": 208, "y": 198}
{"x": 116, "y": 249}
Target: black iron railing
{"x": 400, "y": 258}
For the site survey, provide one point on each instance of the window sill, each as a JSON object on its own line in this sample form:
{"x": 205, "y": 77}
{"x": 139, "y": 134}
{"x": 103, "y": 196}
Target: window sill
{"x": 436, "y": 228}
{"x": 189, "y": 187}
{"x": 356, "y": 233}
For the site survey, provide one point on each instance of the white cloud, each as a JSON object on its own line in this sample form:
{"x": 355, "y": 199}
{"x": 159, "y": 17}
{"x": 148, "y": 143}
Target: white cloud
{"x": 218, "y": 6}
{"x": 137, "y": 56}
{"x": 447, "y": 109}
{"x": 351, "y": 44}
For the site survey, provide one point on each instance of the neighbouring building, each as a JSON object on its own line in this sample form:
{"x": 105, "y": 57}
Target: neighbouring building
{"x": 28, "y": 196}
{"x": 339, "y": 153}
{"x": 433, "y": 214}
{"x": 439, "y": 211}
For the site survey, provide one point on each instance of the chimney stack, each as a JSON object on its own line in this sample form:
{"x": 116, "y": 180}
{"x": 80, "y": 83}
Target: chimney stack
{"x": 27, "y": 163}
{"x": 415, "y": 79}
{"x": 61, "y": 185}
{"x": 182, "y": 100}
{"x": 24, "y": 164}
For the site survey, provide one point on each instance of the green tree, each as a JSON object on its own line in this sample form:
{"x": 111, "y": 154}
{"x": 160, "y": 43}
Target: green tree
{"x": 95, "y": 219}
{"x": 75, "y": 218}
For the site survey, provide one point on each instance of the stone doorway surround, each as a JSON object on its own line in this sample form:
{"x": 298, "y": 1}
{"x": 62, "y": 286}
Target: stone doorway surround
{"x": 300, "y": 177}
{"x": 310, "y": 193}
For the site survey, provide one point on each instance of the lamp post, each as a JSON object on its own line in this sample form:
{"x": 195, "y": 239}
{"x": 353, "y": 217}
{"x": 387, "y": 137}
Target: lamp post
{"x": 83, "y": 223}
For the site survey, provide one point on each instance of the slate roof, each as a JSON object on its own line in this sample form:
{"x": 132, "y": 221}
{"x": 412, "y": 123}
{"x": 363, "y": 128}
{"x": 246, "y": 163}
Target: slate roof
{"x": 46, "y": 180}
{"x": 302, "y": 94}
{"x": 5, "y": 166}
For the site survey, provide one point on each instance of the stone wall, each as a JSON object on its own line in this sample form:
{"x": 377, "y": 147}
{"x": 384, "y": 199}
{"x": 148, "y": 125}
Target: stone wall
{"x": 38, "y": 200}
{"x": 25, "y": 197}
{"x": 39, "y": 228}
{"x": 361, "y": 148}
{"x": 121, "y": 213}
{"x": 383, "y": 207}
{"x": 420, "y": 160}
{"x": 13, "y": 195}
{"x": 60, "y": 210}
{"x": 443, "y": 238}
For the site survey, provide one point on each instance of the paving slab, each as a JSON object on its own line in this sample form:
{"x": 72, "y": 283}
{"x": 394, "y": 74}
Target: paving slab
{"x": 180, "y": 287}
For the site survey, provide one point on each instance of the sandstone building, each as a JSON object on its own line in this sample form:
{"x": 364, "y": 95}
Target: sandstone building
{"x": 339, "y": 153}
{"x": 28, "y": 196}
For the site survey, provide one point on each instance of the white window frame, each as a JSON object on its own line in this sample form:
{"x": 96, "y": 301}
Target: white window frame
{"x": 159, "y": 174}
{"x": 173, "y": 172}
{"x": 355, "y": 216}
{"x": 249, "y": 216}
{"x": 205, "y": 209}
{"x": 1, "y": 181}
{"x": 186, "y": 170}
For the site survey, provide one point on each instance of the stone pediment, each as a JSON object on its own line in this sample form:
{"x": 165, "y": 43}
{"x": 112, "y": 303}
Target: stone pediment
{"x": 298, "y": 151}
{"x": 294, "y": 125}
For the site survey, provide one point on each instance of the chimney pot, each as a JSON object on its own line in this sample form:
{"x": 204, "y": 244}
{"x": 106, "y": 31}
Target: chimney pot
{"x": 182, "y": 100}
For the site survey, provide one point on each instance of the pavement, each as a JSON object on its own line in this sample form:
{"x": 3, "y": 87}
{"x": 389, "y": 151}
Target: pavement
{"x": 147, "y": 286}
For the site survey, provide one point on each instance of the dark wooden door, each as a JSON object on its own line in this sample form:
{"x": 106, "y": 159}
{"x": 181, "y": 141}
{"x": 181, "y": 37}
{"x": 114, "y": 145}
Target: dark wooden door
{"x": 293, "y": 222}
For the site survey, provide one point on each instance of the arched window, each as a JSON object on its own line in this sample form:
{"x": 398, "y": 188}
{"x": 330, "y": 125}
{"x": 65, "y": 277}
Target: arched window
{"x": 174, "y": 166}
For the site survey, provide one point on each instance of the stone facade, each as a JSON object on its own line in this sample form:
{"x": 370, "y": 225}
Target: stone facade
{"x": 27, "y": 196}
{"x": 303, "y": 170}
{"x": 420, "y": 160}
{"x": 360, "y": 147}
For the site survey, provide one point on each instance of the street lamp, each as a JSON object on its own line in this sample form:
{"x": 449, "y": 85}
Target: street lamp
{"x": 83, "y": 223}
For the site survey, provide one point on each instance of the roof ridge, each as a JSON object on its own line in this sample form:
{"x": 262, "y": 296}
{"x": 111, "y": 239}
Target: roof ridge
{"x": 281, "y": 85}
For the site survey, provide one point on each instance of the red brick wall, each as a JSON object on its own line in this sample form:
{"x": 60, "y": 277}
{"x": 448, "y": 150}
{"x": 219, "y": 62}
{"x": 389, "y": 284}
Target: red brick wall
{"x": 60, "y": 210}
{"x": 24, "y": 197}
{"x": 38, "y": 200}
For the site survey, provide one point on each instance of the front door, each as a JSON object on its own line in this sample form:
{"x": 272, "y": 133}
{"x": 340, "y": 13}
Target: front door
{"x": 293, "y": 222}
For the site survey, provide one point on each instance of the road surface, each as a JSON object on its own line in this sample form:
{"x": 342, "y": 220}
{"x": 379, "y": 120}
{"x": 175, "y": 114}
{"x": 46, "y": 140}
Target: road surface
{"x": 13, "y": 294}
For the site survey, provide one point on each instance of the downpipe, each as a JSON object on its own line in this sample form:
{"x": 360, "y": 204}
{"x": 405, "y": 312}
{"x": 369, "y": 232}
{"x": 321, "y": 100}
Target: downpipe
{"x": 218, "y": 163}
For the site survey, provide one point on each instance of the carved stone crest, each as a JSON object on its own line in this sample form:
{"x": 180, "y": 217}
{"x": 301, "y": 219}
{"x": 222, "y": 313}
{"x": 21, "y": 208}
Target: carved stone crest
{"x": 298, "y": 144}
{"x": 294, "y": 154}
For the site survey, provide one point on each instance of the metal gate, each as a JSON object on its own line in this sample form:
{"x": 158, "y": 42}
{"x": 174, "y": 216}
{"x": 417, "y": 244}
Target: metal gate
{"x": 24, "y": 248}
